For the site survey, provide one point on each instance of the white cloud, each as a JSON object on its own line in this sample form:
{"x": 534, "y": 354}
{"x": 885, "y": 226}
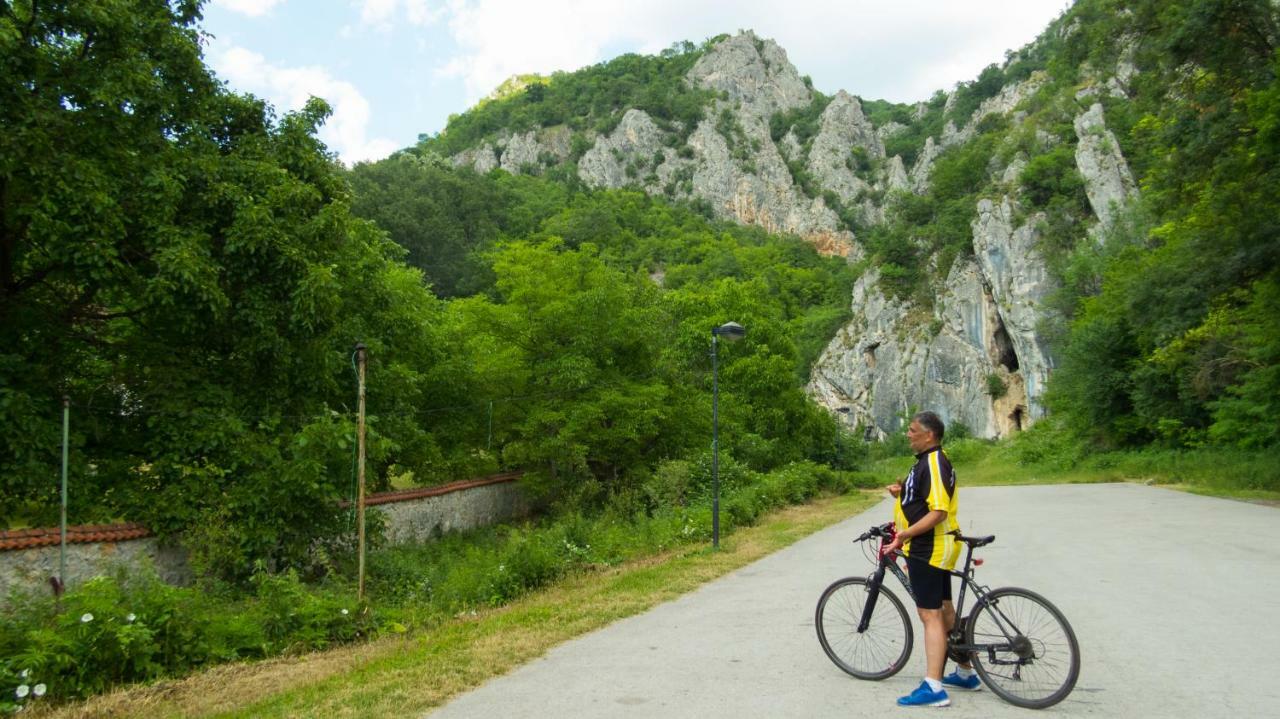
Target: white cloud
{"x": 383, "y": 14}
{"x": 901, "y": 51}
{"x": 288, "y": 88}
{"x": 252, "y": 8}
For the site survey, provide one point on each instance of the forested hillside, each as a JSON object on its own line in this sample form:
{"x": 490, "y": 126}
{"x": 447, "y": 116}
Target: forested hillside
{"x": 1123, "y": 163}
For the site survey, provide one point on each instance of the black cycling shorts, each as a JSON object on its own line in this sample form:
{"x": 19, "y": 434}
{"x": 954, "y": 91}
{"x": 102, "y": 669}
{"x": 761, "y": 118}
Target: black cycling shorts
{"x": 930, "y": 584}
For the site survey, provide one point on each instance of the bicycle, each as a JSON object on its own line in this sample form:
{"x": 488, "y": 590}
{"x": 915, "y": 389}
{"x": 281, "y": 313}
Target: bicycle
{"x": 1019, "y": 643}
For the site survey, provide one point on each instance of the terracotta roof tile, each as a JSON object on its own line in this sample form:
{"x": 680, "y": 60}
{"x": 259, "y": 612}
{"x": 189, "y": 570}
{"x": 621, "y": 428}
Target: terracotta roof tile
{"x": 79, "y": 534}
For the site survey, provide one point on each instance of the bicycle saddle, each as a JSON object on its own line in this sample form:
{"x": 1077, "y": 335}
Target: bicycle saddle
{"x": 975, "y": 542}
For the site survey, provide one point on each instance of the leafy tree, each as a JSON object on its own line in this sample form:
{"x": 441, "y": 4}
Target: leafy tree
{"x": 185, "y": 268}
{"x": 444, "y": 218}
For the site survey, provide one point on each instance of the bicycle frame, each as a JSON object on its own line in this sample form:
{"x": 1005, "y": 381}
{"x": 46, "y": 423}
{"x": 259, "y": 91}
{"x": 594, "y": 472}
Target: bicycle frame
{"x": 1016, "y": 642}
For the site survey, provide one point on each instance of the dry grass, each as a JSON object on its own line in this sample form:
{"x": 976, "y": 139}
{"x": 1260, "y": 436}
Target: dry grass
{"x": 402, "y": 676}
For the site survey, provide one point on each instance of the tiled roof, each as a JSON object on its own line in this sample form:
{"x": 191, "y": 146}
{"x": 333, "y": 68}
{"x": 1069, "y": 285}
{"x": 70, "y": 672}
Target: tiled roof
{"x": 404, "y": 495}
{"x": 87, "y": 533}
{"x": 80, "y": 534}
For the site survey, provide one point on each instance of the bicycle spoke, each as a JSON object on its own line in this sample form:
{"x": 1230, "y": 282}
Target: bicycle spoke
{"x": 1014, "y": 620}
{"x": 876, "y": 653}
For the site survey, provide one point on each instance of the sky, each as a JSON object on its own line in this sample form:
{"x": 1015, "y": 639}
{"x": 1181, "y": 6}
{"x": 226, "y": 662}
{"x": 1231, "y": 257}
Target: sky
{"x": 394, "y": 69}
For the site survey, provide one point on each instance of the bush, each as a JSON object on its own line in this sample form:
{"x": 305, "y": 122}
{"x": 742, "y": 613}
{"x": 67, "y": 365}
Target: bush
{"x": 115, "y": 630}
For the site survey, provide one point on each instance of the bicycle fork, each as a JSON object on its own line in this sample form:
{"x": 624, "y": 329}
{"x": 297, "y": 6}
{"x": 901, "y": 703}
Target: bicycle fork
{"x": 873, "y": 593}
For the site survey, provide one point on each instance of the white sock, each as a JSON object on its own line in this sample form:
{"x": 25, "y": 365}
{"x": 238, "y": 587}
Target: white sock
{"x": 934, "y": 684}
{"x": 964, "y": 672}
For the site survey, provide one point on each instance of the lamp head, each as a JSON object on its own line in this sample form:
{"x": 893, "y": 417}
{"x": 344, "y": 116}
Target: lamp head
{"x": 731, "y": 331}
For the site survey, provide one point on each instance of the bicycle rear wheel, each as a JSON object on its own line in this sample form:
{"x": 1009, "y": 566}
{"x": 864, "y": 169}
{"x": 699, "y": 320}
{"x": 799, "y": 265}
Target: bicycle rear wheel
{"x": 1027, "y": 653}
{"x": 877, "y": 653}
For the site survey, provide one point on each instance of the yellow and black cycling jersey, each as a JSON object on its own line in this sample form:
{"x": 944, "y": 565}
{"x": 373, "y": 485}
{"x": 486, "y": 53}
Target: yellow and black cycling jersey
{"x": 930, "y": 485}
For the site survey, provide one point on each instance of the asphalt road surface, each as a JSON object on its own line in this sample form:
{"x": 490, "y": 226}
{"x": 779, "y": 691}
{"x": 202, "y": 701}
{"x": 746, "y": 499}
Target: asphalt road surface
{"x": 1175, "y": 600}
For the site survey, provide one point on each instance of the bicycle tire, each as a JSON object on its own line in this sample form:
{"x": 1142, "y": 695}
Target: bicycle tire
{"x": 878, "y": 653}
{"x": 1036, "y": 673}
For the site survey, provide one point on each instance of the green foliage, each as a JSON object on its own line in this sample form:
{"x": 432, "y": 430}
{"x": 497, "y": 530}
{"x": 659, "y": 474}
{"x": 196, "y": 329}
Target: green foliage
{"x": 1251, "y": 336}
{"x": 1174, "y": 347}
{"x": 444, "y": 218}
{"x": 1053, "y": 175}
{"x": 909, "y": 142}
{"x": 971, "y": 94}
{"x": 115, "y": 630}
{"x": 803, "y": 121}
{"x": 184, "y": 267}
{"x": 595, "y": 97}
{"x": 996, "y": 386}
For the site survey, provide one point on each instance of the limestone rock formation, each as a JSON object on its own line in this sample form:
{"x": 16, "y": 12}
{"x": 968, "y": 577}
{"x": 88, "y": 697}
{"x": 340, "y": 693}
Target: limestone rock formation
{"x": 753, "y": 73}
{"x": 843, "y": 127}
{"x": 885, "y": 363}
{"x": 633, "y": 143}
{"x": 1018, "y": 280}
{"x": 1107, "y": 178}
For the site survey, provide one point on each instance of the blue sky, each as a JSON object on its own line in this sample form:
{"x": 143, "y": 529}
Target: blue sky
{"x": 395, "y": 68}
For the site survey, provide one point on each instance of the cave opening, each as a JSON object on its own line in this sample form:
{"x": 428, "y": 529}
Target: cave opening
{"x": 1016, "y": 417}
{"x": 1004, "y": 348}
{"x": 869, "y": 355}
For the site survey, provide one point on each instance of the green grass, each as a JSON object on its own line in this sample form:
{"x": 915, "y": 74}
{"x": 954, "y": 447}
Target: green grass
{"x": 1214, "y": 472}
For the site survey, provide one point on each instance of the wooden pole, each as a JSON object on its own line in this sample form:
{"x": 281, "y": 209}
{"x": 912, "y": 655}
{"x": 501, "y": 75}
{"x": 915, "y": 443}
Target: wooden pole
{"x": 361, "y": 361}
{"x": 62, "y": 542}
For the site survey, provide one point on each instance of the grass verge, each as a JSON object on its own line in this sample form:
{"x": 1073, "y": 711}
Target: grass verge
{"x": 402, "y": 676}
{"x": 1231, "y": 474}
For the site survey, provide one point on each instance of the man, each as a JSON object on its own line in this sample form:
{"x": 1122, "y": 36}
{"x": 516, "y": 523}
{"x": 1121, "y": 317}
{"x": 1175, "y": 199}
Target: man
{"x": 925, "y": 516}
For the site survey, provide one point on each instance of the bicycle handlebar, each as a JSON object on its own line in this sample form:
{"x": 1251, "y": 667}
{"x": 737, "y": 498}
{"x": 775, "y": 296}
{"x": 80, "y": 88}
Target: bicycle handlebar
{"x": 880, "y": 531}
{"x": 887, "y": 531}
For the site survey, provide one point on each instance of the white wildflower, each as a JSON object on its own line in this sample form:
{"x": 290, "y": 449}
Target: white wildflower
{"x": 345, "y": 612}
{"x": 39, "y": 690}
{"x": 86, "y": 618}
{"x": 130, "y": 617}
{"x": 25, "y": 673}
{"x": 23, "y": 691}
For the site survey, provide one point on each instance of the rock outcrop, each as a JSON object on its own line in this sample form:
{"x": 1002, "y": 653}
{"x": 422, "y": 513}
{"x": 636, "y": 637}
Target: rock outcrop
{"x": 843, "y": 129}
{"x": 885, "y": 363}
{"x": 1107, "y": 179}
{"x": 615, "y": 160}
{"x": 754, "y": 74}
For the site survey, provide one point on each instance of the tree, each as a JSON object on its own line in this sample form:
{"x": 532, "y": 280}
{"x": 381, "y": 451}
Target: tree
{"x": 185, "y": 267}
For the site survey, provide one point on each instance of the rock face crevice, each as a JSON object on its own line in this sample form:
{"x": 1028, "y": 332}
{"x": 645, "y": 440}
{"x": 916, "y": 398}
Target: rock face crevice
{"x": 972, "y": 351}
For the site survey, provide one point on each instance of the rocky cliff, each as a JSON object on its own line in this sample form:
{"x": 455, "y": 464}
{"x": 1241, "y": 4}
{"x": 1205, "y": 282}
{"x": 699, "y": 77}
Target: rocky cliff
{"x": 971, "y": 349}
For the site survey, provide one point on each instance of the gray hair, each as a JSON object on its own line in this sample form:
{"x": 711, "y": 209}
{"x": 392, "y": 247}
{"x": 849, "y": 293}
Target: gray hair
{"x": 931, "y": 422}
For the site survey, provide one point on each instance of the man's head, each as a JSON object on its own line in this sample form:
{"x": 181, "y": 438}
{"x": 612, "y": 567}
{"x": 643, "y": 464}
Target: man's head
{"x": 925, "y": 431}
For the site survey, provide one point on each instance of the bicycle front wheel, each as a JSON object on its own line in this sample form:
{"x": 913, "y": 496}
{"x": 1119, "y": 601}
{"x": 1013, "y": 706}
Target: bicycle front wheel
{"x": 877, "y": 653}
{"x": 1024, "y": 649}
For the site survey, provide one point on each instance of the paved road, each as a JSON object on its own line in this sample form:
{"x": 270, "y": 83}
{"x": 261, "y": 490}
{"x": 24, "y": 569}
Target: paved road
{"x": 1175, "y": 599}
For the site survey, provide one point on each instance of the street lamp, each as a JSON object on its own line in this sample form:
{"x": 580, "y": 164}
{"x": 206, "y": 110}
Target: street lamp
{"x": 731, "y": 332}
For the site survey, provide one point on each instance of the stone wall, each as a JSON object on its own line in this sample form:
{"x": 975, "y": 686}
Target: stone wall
{"x": 415, "y": 515}
{"x": 29, "y": 557}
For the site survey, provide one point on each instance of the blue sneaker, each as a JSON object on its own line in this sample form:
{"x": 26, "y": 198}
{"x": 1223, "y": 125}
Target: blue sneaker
{"x": 923, "y": 696}
{"x": 956, "y": 681}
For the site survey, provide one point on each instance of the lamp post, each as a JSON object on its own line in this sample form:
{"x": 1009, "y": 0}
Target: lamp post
{"x": 732, "y": 332}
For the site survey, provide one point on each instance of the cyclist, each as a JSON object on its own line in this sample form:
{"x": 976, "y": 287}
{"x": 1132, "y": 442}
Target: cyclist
{"x": 925, "y": 516}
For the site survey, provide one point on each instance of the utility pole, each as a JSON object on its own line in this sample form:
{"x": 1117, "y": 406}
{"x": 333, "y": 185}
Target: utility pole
{"x": 361, "y": 362}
